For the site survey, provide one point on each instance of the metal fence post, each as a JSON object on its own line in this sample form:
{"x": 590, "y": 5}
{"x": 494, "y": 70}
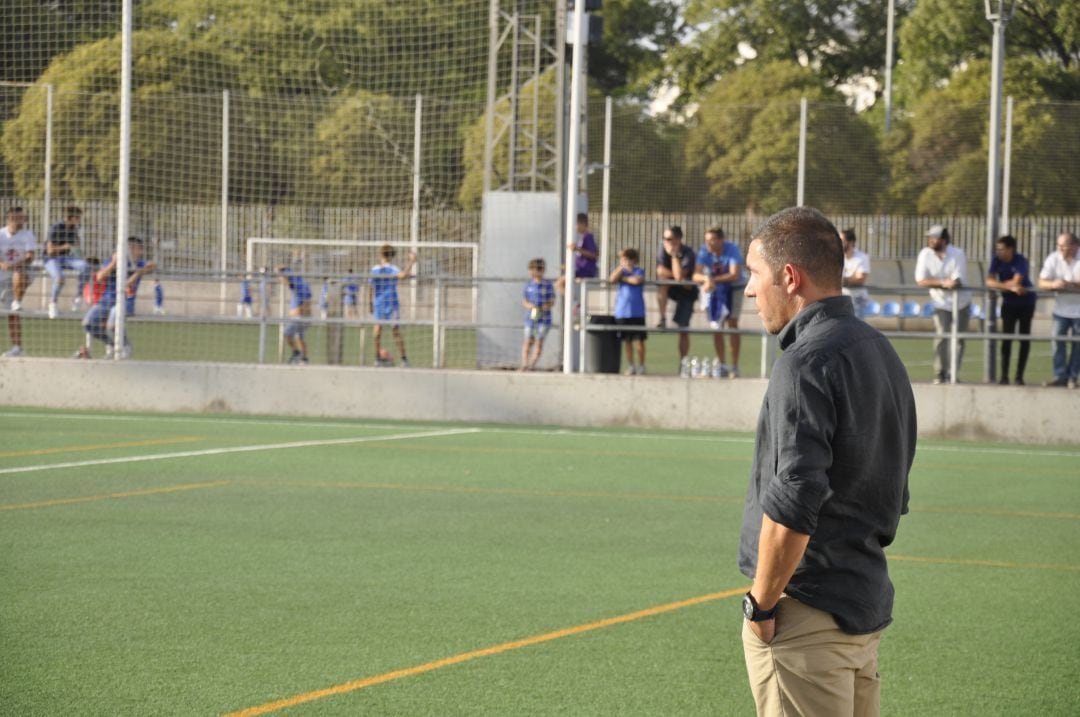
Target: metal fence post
{"x": 954, "y": 340}
{"x": 436, "y": 325}
{"x": 264, "y": 309}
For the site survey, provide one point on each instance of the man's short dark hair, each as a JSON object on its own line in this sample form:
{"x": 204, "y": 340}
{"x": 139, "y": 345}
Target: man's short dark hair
{"x": 848, "y": 235}
{"x": 1073, "y": 239}
{"x": 72, "y": 212}
{"x": 803, "y": 237}
{"x": 386, "y": 251}
{"x": 716, "y": 231}
{"x": 582, "y": 218}
{"x": 631, "y": 254}
{"x": 1008, "y": 241}
{"x": 15, "y": 210}
{"x": 537, "y": 265}
{"x": 135, "y": 240}
{"x": 676, "y": 231}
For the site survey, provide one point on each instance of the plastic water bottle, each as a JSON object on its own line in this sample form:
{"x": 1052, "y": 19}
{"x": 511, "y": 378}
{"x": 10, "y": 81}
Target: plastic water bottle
{"x": 684, "y": 367}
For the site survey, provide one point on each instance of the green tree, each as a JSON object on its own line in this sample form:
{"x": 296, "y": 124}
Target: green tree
{"x": 939, "y": 152}
{"x": 646, "y": 173}
{"x": 744, "y": 137}
{"x": 166, "y": 119}
{"x": 637, "y": 35}
{"x": 842, "y": 40}
{"x": 36, "y": 31}
{"x": 941, "y": 36}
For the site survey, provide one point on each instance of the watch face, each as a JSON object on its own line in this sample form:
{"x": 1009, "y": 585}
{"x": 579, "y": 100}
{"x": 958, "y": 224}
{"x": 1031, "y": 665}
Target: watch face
{"x": 747, "y": 607}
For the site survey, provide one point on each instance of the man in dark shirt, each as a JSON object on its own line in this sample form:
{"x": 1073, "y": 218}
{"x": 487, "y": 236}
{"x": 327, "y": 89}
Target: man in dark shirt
{"x": 61, "y": 252}
{"x": 835, "y": 442}
{"x": 675, "y": 262}
{"x": 1009, "y": 272}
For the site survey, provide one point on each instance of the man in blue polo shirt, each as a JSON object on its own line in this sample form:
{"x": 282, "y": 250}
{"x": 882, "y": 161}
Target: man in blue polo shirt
{"x": 719, "y": 270}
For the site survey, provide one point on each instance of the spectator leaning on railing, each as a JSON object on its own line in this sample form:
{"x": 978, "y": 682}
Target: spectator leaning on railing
{"x": 1061, "y": 273}
{"x": 1010, "y": 274}
{"x": 942, "y": 268}
{"x": 856, "y": 273}
{"x": 675, "y": 262}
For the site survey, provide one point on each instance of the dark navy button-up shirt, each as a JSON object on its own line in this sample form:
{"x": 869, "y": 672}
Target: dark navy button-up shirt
{"x": 835, "y": 442}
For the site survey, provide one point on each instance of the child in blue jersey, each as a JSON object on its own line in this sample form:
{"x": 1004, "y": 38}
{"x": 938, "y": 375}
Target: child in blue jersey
{"x": 630, "y": 307}
{"x": 350, "y": 295}
{"x": 383, "y": 300}
{"x": 299, "y": 310}
{"x": 719, "y": 268}
{"x": 100, "y": 320}
{"x": 537, "y": 299}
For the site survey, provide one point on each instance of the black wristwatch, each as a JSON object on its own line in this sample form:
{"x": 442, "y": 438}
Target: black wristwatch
{"x": 753, "y": 613}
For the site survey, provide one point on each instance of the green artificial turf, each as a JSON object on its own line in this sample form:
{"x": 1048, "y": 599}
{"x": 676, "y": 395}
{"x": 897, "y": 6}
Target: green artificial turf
{"x": 279, "y": 572}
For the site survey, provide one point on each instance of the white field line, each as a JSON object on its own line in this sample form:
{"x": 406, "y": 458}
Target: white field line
{"x": 240, "y": 449}
{"x": 523, "y": 431}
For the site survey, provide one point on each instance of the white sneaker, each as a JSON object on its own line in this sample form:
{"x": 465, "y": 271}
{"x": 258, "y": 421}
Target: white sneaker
{"x": 126, "y": 352}
{"x": 109, "y": 351}
{"x": 641, "y": 370}
{"x": 13, "y": 352}
{"x": 52, "y": 310}
{"x": 16, "y": 305}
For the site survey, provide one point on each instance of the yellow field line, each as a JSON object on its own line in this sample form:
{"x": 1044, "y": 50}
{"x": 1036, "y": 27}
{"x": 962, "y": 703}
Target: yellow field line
{"x": 110, "y": 496}
{"x": 485, "y": 652}
{"x": 100, "y": 446}
{"x": 987, "y": 563}
{"x": 505, "y": 491}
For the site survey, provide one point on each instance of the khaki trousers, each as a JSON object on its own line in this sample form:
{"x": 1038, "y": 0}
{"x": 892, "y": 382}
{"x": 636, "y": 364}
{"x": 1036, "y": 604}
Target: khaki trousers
{"x": 812, "y": 668}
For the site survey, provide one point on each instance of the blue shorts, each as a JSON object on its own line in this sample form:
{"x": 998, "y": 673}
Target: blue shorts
{"x": 295, "y": 327}
{"x": 719, "y": 306}
{"x": 387, "y": 313}
{"x": 536, "y": 331}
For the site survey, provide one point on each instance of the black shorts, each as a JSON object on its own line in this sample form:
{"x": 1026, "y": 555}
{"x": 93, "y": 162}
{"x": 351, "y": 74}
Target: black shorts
{"x": 684, "y": 309}
{"x": 632, "y": 335}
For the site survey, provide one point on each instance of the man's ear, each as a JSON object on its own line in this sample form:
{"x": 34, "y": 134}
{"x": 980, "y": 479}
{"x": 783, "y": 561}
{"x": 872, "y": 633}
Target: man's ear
{"x": 792, "y": 279}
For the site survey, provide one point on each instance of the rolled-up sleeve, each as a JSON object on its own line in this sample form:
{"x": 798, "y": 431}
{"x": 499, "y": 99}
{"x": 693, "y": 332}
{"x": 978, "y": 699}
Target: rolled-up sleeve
{"x": 803, "y": 419}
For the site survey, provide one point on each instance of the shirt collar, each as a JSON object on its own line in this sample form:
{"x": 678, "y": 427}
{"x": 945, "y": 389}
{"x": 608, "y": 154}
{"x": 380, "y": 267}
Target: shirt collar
{"x": 830, "y": 308}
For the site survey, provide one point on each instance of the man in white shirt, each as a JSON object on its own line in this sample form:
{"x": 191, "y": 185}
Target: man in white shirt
{"x": 942, "y": 268}
{"x": 1061, "y": 274}
{"x": 856, "y": 273}
{"x": 17, "y": 245}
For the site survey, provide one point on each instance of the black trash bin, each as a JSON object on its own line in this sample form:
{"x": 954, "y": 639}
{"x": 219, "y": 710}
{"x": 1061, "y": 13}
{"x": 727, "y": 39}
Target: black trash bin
{"x": 601, "y": 347}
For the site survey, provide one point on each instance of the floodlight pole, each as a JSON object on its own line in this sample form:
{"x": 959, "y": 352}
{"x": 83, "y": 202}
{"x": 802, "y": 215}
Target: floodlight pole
{"x": 999, "y": 13}
{"x": 573, "y": 167}
{"x": 889, "y": 25}
{"x": 123, "y": 203}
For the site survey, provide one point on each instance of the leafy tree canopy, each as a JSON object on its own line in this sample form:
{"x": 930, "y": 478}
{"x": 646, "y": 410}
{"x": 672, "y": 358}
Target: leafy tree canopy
{"x": 940, "y": 36}
{"x": 744, "y": 143}
{"x": 841, "y": 40}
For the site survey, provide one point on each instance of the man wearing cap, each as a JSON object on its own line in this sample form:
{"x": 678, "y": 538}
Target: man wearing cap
{"x": 942, "y": 268}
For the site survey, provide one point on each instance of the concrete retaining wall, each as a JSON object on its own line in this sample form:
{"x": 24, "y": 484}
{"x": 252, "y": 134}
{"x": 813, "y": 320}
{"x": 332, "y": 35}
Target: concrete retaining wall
{"x": 1011, "y": 414}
